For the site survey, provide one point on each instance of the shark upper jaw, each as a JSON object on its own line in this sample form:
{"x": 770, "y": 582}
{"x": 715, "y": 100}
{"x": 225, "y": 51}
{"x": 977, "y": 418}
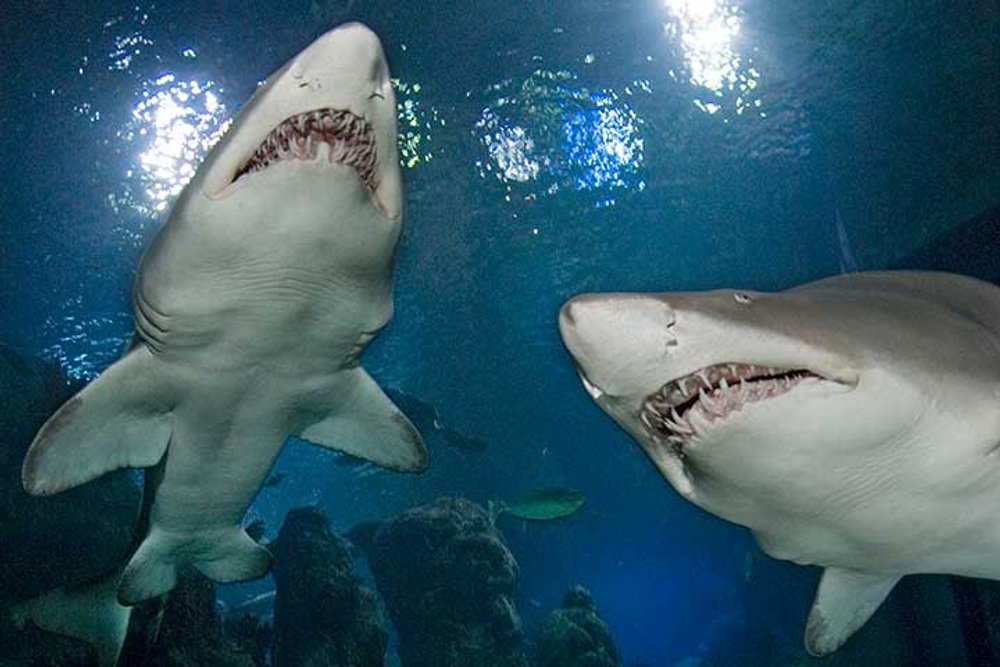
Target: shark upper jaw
{"x": 320, "y": 136}
{"x": 691, "y": 406}
{"x": 332, "y": 108}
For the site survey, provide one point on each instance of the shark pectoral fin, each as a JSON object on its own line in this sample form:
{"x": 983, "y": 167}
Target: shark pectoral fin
{"x": 117, "y": 421}
{"x": 90, "y": 613}
{"x": 846, "y": 599}
{"x": 367, "y": 424}
{"x": 236, "y": 558}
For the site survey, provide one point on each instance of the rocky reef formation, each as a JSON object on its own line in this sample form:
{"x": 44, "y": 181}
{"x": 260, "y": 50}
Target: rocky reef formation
{"x": 449, "y": 581}
{"x": 323, "y": 615}
{"x": 191, "y": 633}
{"x": 575, "y": 635}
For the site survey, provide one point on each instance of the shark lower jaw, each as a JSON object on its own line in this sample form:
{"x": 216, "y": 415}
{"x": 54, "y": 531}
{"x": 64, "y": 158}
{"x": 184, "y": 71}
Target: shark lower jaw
{"x": 715, "y": 393}
{"x": 330, "y": 136}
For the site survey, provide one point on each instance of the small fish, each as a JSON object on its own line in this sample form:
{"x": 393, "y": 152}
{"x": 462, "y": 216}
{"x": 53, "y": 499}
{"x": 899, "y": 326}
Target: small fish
{"x": 462, "y": 441}
{"x": 259, "y": 605}
{"x": 749, "y": 566}
{"x": 275, "y": 479}
{"x": 546, "y": 504}
{"x": 426, "y": 419}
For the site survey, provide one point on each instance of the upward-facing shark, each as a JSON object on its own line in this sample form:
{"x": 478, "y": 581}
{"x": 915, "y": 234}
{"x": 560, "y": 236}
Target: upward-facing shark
{"x": 252, "y": 306}
{"x": 852, "y": 423}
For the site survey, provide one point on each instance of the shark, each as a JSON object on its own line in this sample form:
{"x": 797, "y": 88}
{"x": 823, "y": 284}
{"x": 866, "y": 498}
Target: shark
{"x": 252, "y": 306}
{"x": 851, "y": 423}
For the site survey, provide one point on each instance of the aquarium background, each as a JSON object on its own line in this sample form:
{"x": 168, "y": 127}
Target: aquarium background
{"x": 550, "y": 148}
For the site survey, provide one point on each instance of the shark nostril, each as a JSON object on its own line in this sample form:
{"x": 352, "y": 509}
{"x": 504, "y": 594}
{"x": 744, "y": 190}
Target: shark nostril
{"x": 566, "y": 314}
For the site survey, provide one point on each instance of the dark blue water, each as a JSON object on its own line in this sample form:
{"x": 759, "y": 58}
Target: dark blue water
{"x": 551, "y": 148}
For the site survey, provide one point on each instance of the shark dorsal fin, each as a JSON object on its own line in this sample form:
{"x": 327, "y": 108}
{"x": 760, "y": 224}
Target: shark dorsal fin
{"x": 846, "y": 599}
{"x": 368, "y": 425}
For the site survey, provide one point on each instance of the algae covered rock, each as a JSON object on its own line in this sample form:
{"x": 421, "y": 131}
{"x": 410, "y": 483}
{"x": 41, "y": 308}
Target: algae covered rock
{"x": 575, "y": 635}
{"x": 323, "y": 615}
{"x": 449, "y": 581}
{"x": 191, "y": 632}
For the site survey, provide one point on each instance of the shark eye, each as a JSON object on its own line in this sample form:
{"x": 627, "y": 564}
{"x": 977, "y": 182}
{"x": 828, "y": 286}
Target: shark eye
{"x": 378, "y": 95}
{"x": 743, "y": 298}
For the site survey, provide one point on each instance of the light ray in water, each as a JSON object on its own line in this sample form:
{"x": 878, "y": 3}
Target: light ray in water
{"x": 708, "y": 32}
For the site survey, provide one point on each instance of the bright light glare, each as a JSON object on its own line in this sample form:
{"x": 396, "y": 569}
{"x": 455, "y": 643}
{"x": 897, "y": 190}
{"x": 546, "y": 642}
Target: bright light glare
{"x": 181, "y": 121}
{"x": 706, "y": 31}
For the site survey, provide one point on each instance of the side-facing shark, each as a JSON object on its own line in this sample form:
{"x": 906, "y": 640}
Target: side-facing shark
{"x": 252, "y": 306}
{"x": 851, "y": 423}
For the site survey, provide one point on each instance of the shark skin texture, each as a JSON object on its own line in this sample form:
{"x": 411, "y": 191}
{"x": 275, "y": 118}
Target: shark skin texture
{"x": 851, "y": 423}
{"x": 252, "y": 305}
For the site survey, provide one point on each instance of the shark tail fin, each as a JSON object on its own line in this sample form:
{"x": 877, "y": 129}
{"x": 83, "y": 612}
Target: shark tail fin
{"x": 224, "y": 556}
{"x": 90, "y": 613}
{"x": 119, "y": 420}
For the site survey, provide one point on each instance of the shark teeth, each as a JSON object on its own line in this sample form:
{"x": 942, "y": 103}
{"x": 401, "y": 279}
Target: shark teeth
{"x": 716, "y": 391}
{"x": 350, "y": 141}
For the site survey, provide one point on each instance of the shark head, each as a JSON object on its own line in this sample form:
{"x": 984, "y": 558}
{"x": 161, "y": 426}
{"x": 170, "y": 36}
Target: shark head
{"x": 849, "y": 423}
{"x": 738, "y": 395}
{"x": 321, "y": 133}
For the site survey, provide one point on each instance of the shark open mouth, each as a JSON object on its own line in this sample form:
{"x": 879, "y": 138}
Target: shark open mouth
{"x": 717, "y": 391}
{"x": 349, "y": 138}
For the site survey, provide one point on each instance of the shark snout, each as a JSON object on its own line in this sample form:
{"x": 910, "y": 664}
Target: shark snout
{"x": 613, "y": 315}
{"x": 615, "y": 338}
{"x": 350, "y": 51}
{"x": 352, "y": 38}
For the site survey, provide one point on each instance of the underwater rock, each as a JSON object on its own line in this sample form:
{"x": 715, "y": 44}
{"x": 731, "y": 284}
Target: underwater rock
{"x": 575, "y": 635}
{"x": 252, "y": 636}
{"x": 323, "y": 615}
{"x": 54, "y": 542}
{"x": 192, "y": 632}
{"x": 449, "y": 581}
